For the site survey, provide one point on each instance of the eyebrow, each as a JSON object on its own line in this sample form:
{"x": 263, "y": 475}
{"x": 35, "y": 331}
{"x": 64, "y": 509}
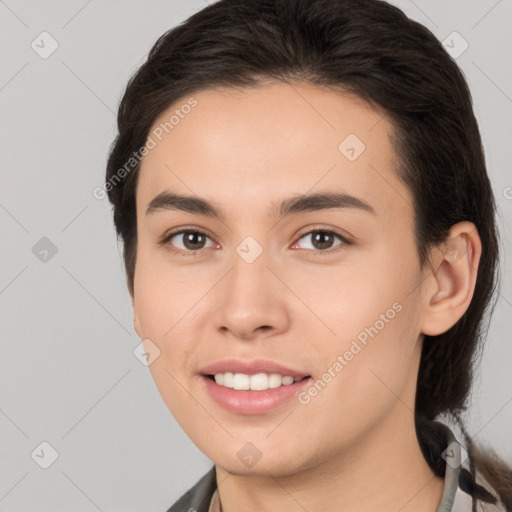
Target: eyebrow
{"x": 293, "y": 205}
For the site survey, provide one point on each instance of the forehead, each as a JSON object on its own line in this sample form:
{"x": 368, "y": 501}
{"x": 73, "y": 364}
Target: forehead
{"x": 249, "y": 147}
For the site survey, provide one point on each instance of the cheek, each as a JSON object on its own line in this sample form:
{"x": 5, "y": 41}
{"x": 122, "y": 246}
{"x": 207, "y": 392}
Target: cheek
{"x": 360, "y": 381}
{"x": 351, "y": 297}
{"x": 163, "y": 296}
{"x": 375, "y": 320}
{"x": 167, "y": 304}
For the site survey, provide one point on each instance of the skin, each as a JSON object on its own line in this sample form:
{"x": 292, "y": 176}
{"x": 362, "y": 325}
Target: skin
{"x": 355, "y": 441}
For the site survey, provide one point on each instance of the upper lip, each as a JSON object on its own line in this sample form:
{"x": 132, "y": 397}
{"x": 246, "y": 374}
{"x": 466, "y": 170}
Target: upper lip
{"x": 250, "y": 368}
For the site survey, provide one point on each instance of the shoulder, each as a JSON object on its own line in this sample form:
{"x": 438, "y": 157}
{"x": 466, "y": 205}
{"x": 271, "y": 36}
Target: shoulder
{"x": 198, "y": 497}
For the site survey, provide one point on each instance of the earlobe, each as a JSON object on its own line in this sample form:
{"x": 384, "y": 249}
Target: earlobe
{"x": 453, "y": 279}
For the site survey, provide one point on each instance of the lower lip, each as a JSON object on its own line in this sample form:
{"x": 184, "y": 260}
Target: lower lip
{"x": 253, "y": 402}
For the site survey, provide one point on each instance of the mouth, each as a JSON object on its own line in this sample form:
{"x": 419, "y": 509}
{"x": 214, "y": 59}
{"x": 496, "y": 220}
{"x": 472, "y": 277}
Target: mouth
{"x": 255, "y": 382}
{"x": 255, "y": 387}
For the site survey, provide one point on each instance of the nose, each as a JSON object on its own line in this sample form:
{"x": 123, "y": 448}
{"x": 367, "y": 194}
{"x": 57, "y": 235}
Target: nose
{"x": 251, "y": 302}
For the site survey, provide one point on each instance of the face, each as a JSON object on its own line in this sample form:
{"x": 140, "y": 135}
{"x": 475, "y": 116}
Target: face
{"x": 260, "y": 272}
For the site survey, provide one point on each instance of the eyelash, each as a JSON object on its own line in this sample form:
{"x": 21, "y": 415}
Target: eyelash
{"x": 316, "y": 252}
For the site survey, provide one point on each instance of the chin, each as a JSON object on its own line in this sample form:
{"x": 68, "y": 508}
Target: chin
{"x": 275, "y": 464}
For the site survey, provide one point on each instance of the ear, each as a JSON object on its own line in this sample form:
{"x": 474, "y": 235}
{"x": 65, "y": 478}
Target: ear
{"x": 136, "y": 323}
{"x": 451, "y": 284}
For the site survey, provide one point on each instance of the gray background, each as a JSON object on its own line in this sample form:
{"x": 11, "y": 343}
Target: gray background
{"x": 68, "y": 373}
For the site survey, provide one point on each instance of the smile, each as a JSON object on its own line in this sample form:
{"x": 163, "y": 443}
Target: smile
{"x": 256, "y": 382}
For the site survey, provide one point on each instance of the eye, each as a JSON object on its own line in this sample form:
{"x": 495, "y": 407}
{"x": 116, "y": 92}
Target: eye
{"x": 322, "y": 239}
{"x": 187, "y": 241}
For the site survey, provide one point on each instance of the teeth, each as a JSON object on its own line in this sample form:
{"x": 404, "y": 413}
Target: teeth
{"x": 256, "y": 382}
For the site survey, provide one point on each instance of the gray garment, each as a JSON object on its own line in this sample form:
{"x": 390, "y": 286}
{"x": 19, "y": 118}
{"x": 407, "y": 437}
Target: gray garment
{"x": 465, "y": 489}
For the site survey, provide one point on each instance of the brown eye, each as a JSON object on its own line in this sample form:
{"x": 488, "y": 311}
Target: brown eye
{"x": 322, "y": 242}
{"x": 193, "y": 240}
{"x": 186, "y": 240}
{"x": 324, "y": 239}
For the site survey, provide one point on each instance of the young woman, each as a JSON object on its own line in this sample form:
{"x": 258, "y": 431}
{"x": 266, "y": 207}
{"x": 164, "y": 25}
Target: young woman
{"x": 310, "y": 247}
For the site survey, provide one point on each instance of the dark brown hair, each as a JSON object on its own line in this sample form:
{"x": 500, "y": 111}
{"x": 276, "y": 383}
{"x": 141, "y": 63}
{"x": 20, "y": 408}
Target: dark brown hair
{"x": 373, "y": 50}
